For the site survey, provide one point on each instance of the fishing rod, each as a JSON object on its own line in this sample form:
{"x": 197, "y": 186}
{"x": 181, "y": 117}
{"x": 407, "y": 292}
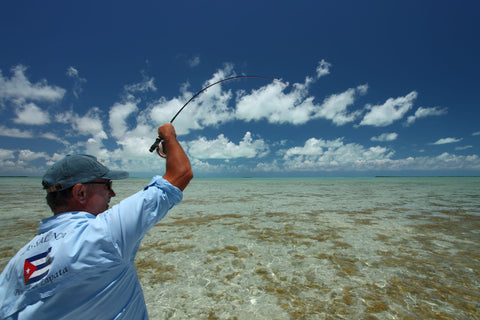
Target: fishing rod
{"x": 157, "y": 145}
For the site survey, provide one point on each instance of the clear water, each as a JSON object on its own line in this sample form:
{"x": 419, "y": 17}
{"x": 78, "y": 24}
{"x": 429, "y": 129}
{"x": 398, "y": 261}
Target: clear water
{"x": 353, "y": 248}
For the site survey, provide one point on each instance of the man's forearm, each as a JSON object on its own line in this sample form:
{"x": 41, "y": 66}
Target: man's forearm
{"x": 179, "y": 172}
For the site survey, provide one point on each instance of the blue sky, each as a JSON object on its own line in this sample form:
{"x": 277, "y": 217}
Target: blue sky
{"x": 380, "y": 87}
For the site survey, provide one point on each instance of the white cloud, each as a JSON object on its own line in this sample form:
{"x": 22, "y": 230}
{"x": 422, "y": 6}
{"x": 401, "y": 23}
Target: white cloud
{"x": 385, "y": 137}
{"x": 362, "y": 89}
{"x": 78, "y": 81}
{"x": 318, "y": 153}
{"x": 222, "y": 148}
{"x": 31, "y": 114}
{"x": 476, "y": 133}
{"x": 147, "y": 84}
{"x": 268, "y": 167}
{"x": 133, "y": 129}
{"x": 447, "y": 161}
{"x": 387, "y": 113}
{"x": 194, "y": 61}
{"x": 323, "y": 68}
{"x": 335, "y": 106}
{"x": 136, "y": 143}
{"x": 209, "y": 109}
{"x": 15, "y": 133}
{"x": 463, "y": 148}
{"x": 271, "y": 103}
{"x": 28, "y": 155}
{"x": 375, "y": 160}
{"x": 212, "y": 106}
{"x": 119, "y": 113}
{"x": 72, "y": 72}
{"x": 51, "y": 136}
{"x": 447, "y": 140}
{"x": 6, "y": 154}
{"x": 425, "y": 112}
{"x": 65, "y": 117}
{"x": 19, "y": 87}
{"x": 337, "y": 150}
{"x": 162, "y": 111}
{"x": 89, "y": 124}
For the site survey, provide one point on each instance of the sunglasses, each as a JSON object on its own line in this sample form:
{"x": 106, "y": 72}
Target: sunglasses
{"x": 107, "y": 183}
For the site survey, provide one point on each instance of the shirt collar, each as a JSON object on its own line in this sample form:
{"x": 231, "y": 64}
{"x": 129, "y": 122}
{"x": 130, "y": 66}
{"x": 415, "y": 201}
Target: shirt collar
{"x": 62, "y": 219}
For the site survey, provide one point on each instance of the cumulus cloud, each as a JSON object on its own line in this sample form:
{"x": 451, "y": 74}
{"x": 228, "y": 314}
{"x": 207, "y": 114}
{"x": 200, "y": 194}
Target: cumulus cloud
{"x": 476, "y": 133}
{"x": 19, "y": 87}
{"x": 222, "y": 148}
{"x": 447, "y": 161}
{"x": 194, "y": 61}
{"x": 277, "y": 104}
{"x": 389, "y": 112}
{"x": 385, "y": 137}
{"x": 31, "y": 114}
{"x": 118, "y": 115}
{"x": 270, "y": 102}
{"x": 72, "y": 72}
{"x": 425, "y": 112}
{"x": 51, "y": 136}
{"x": 136, "y": 143}
{"x": 209, "y": 109}
{"x": 28, "y": 155}
{"x": 213, "y": 105}
{"x": 463, "y": 148}
{"x": 6, "y": 154}
{"x": 147, "y": 84}
{"x": 447, "y": 140}
{"x": 335, "y": 107}
{"x": 78, "y": 81}
{"x": 336, "y": 150}
{"x": 323, "y": 68}
{"x": 132, "y": 123}
{"x": 89, "y": 125}
{"x": 274, "y": 104}
{"x": 134, "y": 138}
{"x": 319, "y": 153}
{"x": 15, "y": 132}
{"x": 162, "y": 110}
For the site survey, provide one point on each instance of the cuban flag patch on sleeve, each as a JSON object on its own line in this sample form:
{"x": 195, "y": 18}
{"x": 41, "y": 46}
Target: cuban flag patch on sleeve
{"x": 37, "y": 267}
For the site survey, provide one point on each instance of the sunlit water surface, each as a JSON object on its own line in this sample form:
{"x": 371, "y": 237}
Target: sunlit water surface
{"x": 356, "y": 248}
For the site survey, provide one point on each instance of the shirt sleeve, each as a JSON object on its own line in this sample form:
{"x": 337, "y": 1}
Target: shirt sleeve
{"x": 129, "y": 221}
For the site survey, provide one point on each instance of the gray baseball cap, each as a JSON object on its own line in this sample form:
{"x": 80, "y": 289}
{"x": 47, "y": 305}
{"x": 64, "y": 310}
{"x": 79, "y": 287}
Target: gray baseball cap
{"x": 75, "y": 169}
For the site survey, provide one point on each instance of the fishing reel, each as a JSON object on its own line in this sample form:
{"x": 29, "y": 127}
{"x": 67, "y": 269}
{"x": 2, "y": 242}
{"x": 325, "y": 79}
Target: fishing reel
{"x": 158, "y": 145}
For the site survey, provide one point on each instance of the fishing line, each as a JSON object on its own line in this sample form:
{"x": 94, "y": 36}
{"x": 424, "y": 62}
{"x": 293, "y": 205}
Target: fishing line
{"x": 157, "y": 145}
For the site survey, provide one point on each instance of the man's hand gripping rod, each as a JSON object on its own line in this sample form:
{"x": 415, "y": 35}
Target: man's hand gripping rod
{"x": 159, "y": 147}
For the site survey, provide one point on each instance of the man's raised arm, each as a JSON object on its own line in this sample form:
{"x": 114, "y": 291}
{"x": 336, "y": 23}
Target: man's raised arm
{"x": 179, "y": 172}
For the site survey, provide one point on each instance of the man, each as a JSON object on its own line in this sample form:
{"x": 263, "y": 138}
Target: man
{"x": 81, "y": 263}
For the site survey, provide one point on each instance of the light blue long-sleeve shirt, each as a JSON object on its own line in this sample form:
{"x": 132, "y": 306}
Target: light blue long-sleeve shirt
{"x": 81, "y": 266}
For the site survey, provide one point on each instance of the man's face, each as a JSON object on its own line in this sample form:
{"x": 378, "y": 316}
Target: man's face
{"x": 98, "y": 196}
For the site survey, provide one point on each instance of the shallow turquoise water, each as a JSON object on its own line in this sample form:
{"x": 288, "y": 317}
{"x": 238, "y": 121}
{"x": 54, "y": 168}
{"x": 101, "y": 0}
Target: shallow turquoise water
{"x": 326, "y": 248}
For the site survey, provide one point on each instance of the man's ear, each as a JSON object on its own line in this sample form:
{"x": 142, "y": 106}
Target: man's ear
{"x": 79, "y": 193}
